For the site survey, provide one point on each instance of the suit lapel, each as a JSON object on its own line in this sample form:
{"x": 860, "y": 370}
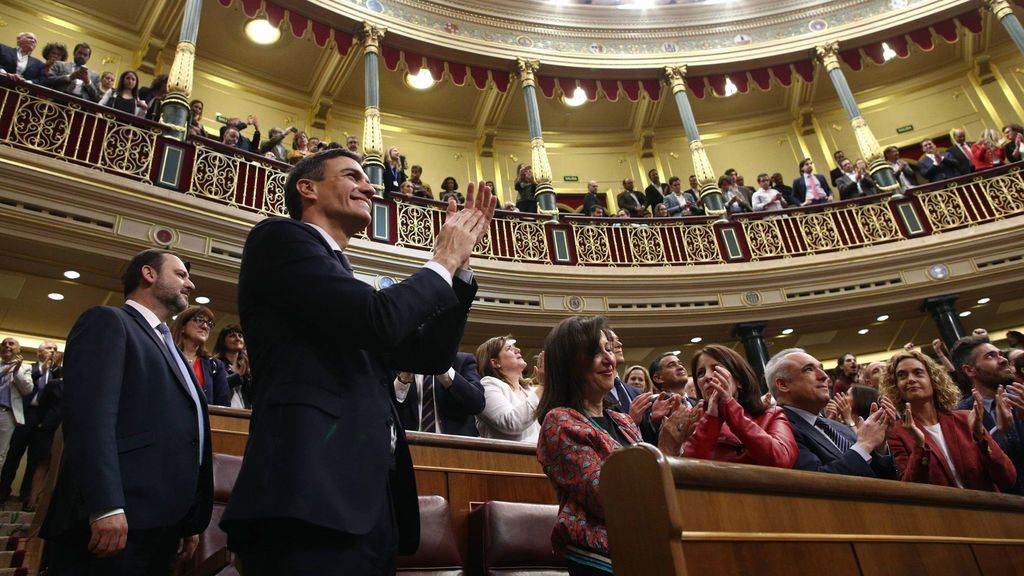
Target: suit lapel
{"x": 159, "y": 343}
{"x": 937, "y": 452}
{"x": 812, "y": 433}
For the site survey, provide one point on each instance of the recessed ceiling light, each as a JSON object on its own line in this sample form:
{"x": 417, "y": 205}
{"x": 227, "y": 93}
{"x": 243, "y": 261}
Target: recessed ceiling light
{"x": 420, "y": 80}
{"x": 730, "y": 88}
{"x": 578, "y": 98}
{"x": 863, "y": 331}
{"x": 55, "y": 296}
{"x": 675, "y": 352}
{"x": 984, "y": 300}
{"x": 261, "y": 31}
{"x": 696, "y": 340}
{"x": 787, "y": 331}
{"x": 202, "y": 300}
{"x": 965, "y": 313}
{"x": 72, "y": 275}
{"x": 882, "y": 318}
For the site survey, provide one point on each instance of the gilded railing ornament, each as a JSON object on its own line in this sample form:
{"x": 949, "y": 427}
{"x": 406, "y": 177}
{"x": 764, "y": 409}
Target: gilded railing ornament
{"x": 828, "y": 54}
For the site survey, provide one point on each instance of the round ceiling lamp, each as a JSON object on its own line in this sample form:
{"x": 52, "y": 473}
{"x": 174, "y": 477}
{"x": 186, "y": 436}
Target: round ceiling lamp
{"x": 578, "y": 98}
{"x": 421, "y": 80}
{"x": 261, "y": 31}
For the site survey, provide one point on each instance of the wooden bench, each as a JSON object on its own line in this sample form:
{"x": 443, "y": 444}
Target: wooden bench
{"x": 674, "y": 516}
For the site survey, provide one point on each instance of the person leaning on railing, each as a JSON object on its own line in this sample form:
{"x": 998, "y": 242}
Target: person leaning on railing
{"x": 125, "y": 96}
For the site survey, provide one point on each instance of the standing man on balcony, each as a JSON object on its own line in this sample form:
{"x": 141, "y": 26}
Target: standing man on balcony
{"x": 810, "y": 188}
{"x": 74, "y": 77}
{"x": 653, "y": 191}
{"x": 327, "y": 484}
{"x": 18, "y": 63}
{"x": 632, "y": 201}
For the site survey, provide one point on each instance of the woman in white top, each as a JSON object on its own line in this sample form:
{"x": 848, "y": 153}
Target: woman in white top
{"x": 509, "y": 403}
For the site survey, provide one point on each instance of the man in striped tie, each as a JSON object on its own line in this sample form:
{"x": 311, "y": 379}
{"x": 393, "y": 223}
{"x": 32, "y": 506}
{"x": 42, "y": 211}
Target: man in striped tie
{"x": 800, "y": 385}
{"x": 445, "y": 403}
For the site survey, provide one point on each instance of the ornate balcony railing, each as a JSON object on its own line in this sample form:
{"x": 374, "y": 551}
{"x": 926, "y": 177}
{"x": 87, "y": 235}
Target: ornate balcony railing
{"x": 62, "y": 127}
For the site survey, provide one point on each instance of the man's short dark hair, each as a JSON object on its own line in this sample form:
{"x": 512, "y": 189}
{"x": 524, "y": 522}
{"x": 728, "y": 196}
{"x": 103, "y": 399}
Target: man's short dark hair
{"x": 1018, "y": 365}
{"x": 309, "y": 168}
{"x": 962, "y": 351}
{"x": 803, "y": 162}
{"x": 82, "y": 45}
{"x": 835, "y": 155}
{"x": 132, "y": 276}
{"x": 842, "y": 358}
{"x": 673, "y": 180}
{"x": 655, "y": 367}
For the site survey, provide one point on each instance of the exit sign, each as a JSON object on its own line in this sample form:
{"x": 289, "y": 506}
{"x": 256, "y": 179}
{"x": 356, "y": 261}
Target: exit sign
{"x": 905, "y": 129}
{"x": 570, "y": 178}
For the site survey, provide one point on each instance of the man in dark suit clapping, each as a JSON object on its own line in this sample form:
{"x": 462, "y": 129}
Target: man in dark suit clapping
{"x": 327, "y": 485}
{"x": 136, "y": 485}
{"x": 446, "y": 403}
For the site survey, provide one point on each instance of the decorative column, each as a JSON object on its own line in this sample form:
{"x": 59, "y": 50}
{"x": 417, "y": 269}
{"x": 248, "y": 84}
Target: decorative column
{"x": 710, "y": 195}
{"x": 881, "y": 171}
{"x": 545, "y": 192}
{"x": 752, "y": 336}
{"x": 947, "y": 320}
{"x": 1004, "y": 13}
{"x": 175, "y": 110}
{"x": 373, "y": 141}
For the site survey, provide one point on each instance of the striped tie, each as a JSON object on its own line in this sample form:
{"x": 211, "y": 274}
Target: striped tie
{"x": 427, "y": 419}
{"x": 838, "y": 439}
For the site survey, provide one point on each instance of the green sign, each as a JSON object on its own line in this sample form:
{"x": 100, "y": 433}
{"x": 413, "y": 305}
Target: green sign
{"x": 905, "y": 129}
{"x": 570, "y": 178}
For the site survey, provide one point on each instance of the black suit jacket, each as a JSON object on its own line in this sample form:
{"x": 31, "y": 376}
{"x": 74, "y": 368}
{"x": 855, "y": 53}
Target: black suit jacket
{"x": 835, "y": 174}
{"x": 323, "y": 346}
{"x": 960, "y": 160}
{"x": 589, "y": 201}
{"x": 215, "y": 380}
{"x": 455, "y": 406}
{"x": 130, "y": 437}
{"x": 933, "y": 172}
{"x": 800, "y": 189}
{"x": 33, "y": 70}
{"x": 390, "y": 181}
{"x": 848, "y": 188}
{"x": 819, "y": 454}
{"x": 654, "y": 196}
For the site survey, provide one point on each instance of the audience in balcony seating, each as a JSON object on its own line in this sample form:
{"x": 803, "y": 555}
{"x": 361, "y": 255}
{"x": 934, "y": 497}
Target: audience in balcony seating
{"x": 526, "y": 189}
{"x": 394, "y": 170}
{"x": 450, "y": 189}
{"x": 961, "y": 153}
{"x": 191, "y": 330}
{"x": 799, "y": 384}
{"x": 591, "y": 199}
{"x": 634, "y": 202}
{"x": 810, "y": 188}
{"x": 836, "y": 173}
{"x": 416, "y": 177}
{"x": 736, "y": 426}
{"x": 154, "y": 96}
{"x": 935, "y": 443}
{"x": 274, "y": 145}
{"x": 846, "y": 373}
{"x": 904, "y": 173}
{"x": 75, "y": 78}
{"x": 243, "y": 143}
{"x": 195, "y": 120}
{"x": 735, "y": 201}
{"x": 407, "y": 189}
{"x": 986, "y": 151}
{"x": 230, "y": 350}
{"x": 107, "y": 82}
{"x": 766, "y": 198}
{"x": 681, "y": 203}
{"x": 855, "y": 181}
{"x": 737, "y": 184}
{"x": 509, "y": 402}
{"x": 17, "y": 62}
{"x": 596, "y": 211}
{"x": 934, "y": 166}
{"x": 125, "y": 96}
{"x": 1013, "y": 142}
{"x": 778, "y": 184}
{"x": 445, "y": 403}
{"x": 655, "y": 191}
{"x": 991, "y": 375}
{"x": 300, "y": 148}
{"x": 53, "y": 52}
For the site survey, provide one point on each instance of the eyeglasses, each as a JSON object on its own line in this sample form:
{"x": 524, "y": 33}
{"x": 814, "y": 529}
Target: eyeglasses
{"x": 202, "y": 321}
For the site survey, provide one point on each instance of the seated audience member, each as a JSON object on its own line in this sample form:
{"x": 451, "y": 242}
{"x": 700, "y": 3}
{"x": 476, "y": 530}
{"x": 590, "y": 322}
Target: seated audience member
{"x": 986, "y": 151}
{"x": 195, "y": 121}
{"x": 990, "y": 375}
{"x": 275, "y": 144}
{"x": 787, "y": 191}
{"x": 300, "y": 148}
{"x": 736, "y": 425}
{"x": 416, "y": 177}
{"x": 578, "y": 435}
{"x": 426, "y": 191}
{"x": 591, "y": 199}
{"x": 509, "y": 403}
{"x": 767, "y": 199}
{"x": 526, "y": 189}
{"x": 934, "y": 166}
{"x": 125, "y": 96}
{"x": 191, "y": 330}
{"x": 846, "y": 373}
{"x": 510, "y": 206}
{"x": 810, "y": 188}
{"x": 407, "y": 189}
{"x": 450, "y": 189}
{"x": 632, "y": 201}
{"x": 52, "y": 53}
{"x": 855, "y": 181}
{"x": 653, "y": 192}
{"x": 1013, "y": 142}
{"x": 799, "y": 384}
{"x": 394, "y": 170}
{"x": 315, "y": 145}
{"x": 230, "y": 350}
{"x": 107, "y": 82}
{"x": 596, "y": 211}
{"x": 637, "y": 377}
{"x": 862, "y": 397}
{"x": 735, "y": 201}
{"x": 660, "y": 210}
{"x": 444, "y": 403}
{"x": 935, "y": 444}
{"x": 904, "y": 173}
{"x": 961, "y": 153}
{"x": 244, "y": 143}
{"x": 75, "y": 78}
{"x": 622, "y": 213}
{"x": 839, "y": 156}
{"x": 352, "y": 144}
{"x": 153, "y": 96}
{"x": 873, "y": 374}
{"x": 678, "y": 202}
{"x": 17, "y": 62}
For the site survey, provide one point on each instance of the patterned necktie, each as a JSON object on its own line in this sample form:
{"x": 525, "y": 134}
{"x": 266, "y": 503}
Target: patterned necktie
{"x": 427, "y": 419}
{"x": 187, "y": 374}
{"x": 838, "y": 439}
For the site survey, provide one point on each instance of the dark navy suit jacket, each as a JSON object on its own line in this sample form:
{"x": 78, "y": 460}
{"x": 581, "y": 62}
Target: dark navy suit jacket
{"x": 799, "y": 194}
{"x": 215, "y": 380}
{"x": 455, "y": 406}
{"x": 819, "y": 454}
{"x": 946, "y": 168}
{"x": 9, "y": 62}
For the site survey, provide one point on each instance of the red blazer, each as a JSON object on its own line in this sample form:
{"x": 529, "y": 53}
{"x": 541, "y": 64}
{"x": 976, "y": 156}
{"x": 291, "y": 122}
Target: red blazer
{"x": 571, "y": 449}
{"x": 981, "y": 465}
{"x": 734, "y": 436}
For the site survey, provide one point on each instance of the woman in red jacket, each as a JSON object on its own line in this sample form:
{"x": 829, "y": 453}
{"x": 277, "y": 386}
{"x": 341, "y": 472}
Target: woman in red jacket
{"x": 937, "y": 445}
{"x": 737, "y": 426}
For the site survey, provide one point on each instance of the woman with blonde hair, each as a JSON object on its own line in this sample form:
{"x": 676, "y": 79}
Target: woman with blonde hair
{"x": 394, "y": 170}
{"x": 937, "y": 444}
{"x": 986, "y": 151}
{"x": 526, "y": 189}
{"x": 509, "y": 402}
{"x": 637, "y": 377}
{"x": 191, "y": 330}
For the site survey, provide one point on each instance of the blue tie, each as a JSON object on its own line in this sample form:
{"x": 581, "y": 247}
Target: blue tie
{"x": 187, "y": 374}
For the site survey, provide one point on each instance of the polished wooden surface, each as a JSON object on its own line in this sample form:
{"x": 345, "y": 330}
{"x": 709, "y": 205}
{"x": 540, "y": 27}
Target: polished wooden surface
{"x": 677, "y": 516}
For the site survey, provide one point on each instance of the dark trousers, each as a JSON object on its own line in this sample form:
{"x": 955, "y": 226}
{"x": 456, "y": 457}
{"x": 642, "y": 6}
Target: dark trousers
{"x": 19, "y": 444}
{"x": 148, "y": 553}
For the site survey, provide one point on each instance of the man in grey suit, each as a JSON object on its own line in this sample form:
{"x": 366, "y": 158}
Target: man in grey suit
{"x": 74, "y": 77}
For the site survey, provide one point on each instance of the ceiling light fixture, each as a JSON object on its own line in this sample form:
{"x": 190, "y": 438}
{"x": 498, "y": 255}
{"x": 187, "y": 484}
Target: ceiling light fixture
{"x": 863, "y": 331}
{"x": 787, "y": 331}
{"x": 984, "y": 300}
{"x": 261, "y": 31}
{"x": 882, "y": 318}
{"x": 72, "y": 275}
{"x": 578, "y": 98}
{"x": 696, "y": 340}
{"x": 730, "y": 88}
{"x": 887, "y": 52}
{"x": 420, "y": 80}
{"x": 202, "y": 300}
{"x": 965, "y": 313}
{"x": 57, "y": 296}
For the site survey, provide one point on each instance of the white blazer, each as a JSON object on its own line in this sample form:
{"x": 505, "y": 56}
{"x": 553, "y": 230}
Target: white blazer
{"x": 508, "y": 415}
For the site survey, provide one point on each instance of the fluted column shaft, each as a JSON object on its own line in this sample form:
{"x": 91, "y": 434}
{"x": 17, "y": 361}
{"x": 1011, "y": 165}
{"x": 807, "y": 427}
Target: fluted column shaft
{"x": 710, "y": 194}
{"x": 175, "y": 110}
{"x": 1004, "y": 13}
{"x": 544, "y": 192}
{"x": 373, "y": 140}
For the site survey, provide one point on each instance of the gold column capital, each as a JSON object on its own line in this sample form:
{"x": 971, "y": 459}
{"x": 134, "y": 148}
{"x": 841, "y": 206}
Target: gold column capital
{"x": 1001, "y": 8}
{"x": 828, "y": 54}
{"x": 673, "y": 76}
{"x": 371, "y": 36}
{"x": 525, "y": 70}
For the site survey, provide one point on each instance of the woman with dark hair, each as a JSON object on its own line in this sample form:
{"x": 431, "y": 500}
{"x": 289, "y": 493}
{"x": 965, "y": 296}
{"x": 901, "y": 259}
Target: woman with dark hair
{"x": 300, "y": 148}
{"x": 230, "y": 350}
{"x": 509, "y": 401}
{"x": 1012, "y": 142}
{"x": 938, "y": 444}
{"x": 191, "y": 330}
{"x": 52, "y": 53}
{"x": 737, "y": 426}
{"x": 526, "y": 189}
{"x": 154, "y": 96}
{"x": 450, "y": 189}
{"x": 125, "y": 97}
{"x": 578, "y": 435}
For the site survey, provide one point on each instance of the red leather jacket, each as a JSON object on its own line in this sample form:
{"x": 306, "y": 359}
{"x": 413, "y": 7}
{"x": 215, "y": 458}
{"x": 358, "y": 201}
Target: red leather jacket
{"x": 735, "y": 436}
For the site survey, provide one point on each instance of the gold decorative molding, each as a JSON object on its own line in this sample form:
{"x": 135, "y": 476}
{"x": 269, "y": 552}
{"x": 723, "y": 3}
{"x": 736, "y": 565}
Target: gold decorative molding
{"x": 673, "y": 76}
{"x": 525, "y": 70}
{"x": 373, "y": 140}
{"x": 828, "y": 54}
{"x": 1000, "y": 8}
{"x": 702, "y": 164}
{"x": 869, "y": 147}
{"x": 371, "y": 36}
{"x": 179, "y": 79}
{"x": 539, "y": 161}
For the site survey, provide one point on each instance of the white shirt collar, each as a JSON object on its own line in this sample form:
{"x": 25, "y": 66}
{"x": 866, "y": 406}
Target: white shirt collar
{"x": 327, "y": 237}
{"x": 807, "y": 416}
{"x": 148, "y": 314}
